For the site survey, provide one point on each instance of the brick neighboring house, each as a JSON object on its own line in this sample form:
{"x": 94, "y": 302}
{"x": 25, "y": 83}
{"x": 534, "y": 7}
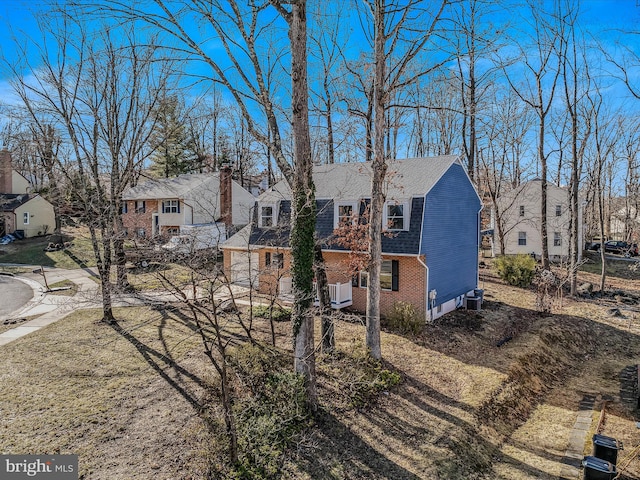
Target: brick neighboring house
{"x": 19, "y": 208}
{"x": 430, "y": 246}
{"x": 521, "y": 218}
{"x": 160, "y": 207}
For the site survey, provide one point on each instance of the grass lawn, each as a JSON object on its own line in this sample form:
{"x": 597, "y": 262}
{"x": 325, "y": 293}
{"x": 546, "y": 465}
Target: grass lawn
{"x": 628, "y": 269}
{"x": 465, "y": 408}
{"x": 30, "y": 251}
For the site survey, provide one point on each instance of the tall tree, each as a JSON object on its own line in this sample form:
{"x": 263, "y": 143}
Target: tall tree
{"x": 576, "y": 83}
{"x": 540, "y": 64}
{"x": 102, "y": 93}
{"x": 172, "y": 154}
{"x": 395, "y": 46}
{"x": 242, "y": 66}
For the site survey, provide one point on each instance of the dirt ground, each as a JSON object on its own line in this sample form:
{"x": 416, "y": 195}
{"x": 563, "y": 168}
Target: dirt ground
{"x": 484, "y": 395}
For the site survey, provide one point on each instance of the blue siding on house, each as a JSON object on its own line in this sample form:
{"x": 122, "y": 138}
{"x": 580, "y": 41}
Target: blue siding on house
{"x": 450, "y": 237}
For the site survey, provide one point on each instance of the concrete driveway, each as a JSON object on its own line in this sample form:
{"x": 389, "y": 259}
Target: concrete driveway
{"x": 14, "y": 294}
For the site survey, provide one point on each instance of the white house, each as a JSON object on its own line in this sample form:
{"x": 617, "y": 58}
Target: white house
{"x": 519, "y": 214}
{"x": 20, "y": 209}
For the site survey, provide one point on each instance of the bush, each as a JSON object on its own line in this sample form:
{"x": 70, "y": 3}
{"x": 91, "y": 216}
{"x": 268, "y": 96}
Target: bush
{"x": 404, "y": 318}
{"x": 271, "y": 417}
{"x": 516, "y": 270}
{"x": 278, "y": 313}
{"x": 359, "y": 377}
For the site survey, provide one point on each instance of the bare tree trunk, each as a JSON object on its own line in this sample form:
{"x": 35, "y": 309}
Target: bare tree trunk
{"x": 327, "y": 327}
{"x": 304, "y": 207}
{"x": 379, "y": 170}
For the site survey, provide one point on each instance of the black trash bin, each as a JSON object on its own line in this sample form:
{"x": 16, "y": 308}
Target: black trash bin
{"x": 606, "y": 448}
{"x": 598, "y": 469}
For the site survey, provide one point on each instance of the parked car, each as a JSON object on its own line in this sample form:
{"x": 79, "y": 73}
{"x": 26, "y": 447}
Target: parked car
{"x": 621, "y": 248}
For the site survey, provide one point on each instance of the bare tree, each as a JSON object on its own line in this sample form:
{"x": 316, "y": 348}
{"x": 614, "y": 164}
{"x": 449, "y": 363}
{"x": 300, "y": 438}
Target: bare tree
{"x": 103, "y": 102}
{"x": 576, "y": 83}
{"x": 243, "y": 68}
{"x": 541, "y": 69}
{"x": 396, "y": 45}
{"x": 474, "y": 38}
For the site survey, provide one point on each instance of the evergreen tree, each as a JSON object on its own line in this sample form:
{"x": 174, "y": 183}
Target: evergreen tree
{"x": 173, "y": 154}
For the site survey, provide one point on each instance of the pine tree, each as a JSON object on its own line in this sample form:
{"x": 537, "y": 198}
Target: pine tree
{"x": 172, "y": 153}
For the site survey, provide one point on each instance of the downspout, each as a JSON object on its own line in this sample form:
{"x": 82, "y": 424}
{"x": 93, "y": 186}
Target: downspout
{"x": 426, "y": 291}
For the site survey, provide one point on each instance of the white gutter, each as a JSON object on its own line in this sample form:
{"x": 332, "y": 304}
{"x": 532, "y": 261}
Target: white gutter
{"x": 426, "y": 290}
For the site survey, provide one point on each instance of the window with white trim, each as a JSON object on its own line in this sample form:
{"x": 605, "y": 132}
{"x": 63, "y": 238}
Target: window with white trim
{"x": 558, "y": 210}
{"x": 171, "y": 206}
{"x": 25, "y": 218}
{"x": 267, "y": 217}
{"x": 522, "y": 210}
{"x": 396, "y": 216}
{"x": 522, "y": 238}
{"x": 389, "y": 276}
{"x": 557, "y": 239}
{"x": 345, "y": 213}
{"x": 140, "y": 206}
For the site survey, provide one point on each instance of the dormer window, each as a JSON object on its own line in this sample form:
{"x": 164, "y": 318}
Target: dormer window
{"x": 267, "y": 217}
{"x": 396, "y": 216}
{"x": 345, "y": 213}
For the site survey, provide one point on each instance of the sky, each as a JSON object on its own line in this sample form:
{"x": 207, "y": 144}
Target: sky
{"x": 605, "y": 19}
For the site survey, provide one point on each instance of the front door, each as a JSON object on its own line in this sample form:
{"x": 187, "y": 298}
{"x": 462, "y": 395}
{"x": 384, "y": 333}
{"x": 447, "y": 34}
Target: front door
{"x": 155, "y": 225}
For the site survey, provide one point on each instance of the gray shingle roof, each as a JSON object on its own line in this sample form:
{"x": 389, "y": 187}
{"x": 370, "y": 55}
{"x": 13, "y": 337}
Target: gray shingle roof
{"x": 406, "y": 178}
{"x": 178, "y": 187}
{"x": 10, "y": 201}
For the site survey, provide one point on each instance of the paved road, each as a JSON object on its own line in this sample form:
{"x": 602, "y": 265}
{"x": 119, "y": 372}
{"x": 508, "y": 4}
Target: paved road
{"x": 13, "y": 295}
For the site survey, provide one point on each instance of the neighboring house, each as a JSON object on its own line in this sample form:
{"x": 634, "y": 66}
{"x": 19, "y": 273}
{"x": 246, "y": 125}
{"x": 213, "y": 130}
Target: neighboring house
{"x": 162, "y": 206}
{"x": 21, "y": 210}
{"x": 625, "y": 224}
{"x": 521, "y": 218}
{"x": 430, "y": 243}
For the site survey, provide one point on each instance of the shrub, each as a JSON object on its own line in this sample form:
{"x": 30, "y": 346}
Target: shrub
{"x": 271, "y": 417}
{"x": 278, "y": 313}
{"x": 404, "y": 318}
{"x": 516, "y": 270}
{"x": 360, "y": 377}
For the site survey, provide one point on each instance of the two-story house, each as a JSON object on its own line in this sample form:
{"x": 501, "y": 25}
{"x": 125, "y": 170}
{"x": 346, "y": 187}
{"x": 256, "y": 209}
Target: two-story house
{"x": 520, "y": 217}
{"x": 161, "y": 207}
{"x": 21, "y": 210}
{"x": 430, "y": 242}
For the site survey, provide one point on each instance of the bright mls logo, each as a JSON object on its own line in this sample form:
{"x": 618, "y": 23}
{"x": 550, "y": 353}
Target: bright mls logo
{"x": 50, "y": 467}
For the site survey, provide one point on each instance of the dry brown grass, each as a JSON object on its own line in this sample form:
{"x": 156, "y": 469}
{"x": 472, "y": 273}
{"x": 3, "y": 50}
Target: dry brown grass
{"x": 465, "y": 409}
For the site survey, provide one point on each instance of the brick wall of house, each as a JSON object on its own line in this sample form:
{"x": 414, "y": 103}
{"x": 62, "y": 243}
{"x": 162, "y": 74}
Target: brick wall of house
{"x": 133, "y": 221}
{"x": 270, "y": 275}
{"x": 411, "y": 283}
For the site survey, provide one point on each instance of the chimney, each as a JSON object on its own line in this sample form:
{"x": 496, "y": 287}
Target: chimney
{"x": 6, "y": 172}
{"x": 225, "y": 195}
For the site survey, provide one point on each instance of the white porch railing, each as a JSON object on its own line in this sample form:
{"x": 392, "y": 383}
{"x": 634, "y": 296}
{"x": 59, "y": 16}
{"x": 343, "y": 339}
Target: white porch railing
{"x": 340, "y": 293}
